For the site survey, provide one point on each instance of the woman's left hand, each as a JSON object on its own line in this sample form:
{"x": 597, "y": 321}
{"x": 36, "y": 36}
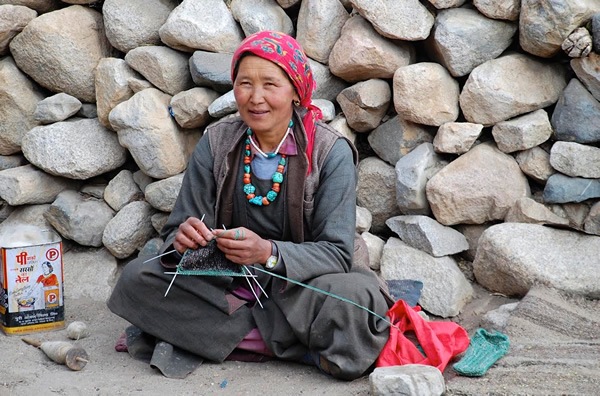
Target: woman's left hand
{"x": 243, "y": 246}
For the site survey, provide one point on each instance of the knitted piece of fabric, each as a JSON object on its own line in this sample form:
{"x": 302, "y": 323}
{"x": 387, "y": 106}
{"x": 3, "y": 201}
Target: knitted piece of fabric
{"x": 484, "y": 350}
{"x": 207, "y": 260}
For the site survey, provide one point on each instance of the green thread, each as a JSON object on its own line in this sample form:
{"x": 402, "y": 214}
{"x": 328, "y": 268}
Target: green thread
{"x": 224, "y": 272}
{"x": 316, "y": 289}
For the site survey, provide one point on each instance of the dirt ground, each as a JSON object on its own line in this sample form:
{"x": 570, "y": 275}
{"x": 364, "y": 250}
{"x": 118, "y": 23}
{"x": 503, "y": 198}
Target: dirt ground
{"x": 25, "y": 370}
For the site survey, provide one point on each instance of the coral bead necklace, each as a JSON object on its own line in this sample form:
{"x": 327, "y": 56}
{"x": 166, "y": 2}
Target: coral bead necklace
{"x": 277, "y": 177}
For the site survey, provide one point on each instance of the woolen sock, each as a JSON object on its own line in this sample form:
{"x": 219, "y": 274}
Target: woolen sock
{"x": 484, "y": 350}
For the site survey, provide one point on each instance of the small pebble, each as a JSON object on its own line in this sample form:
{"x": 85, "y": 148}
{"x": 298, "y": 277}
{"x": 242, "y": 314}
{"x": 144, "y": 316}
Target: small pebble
{"x": 77, "y": 330}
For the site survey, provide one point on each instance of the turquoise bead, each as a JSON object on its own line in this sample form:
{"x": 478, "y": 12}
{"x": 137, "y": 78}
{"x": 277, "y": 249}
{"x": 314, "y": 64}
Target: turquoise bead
{"x": 277, "y": 177}
{"x": 249, "y": 189}
{"x": 256, "y": 200}
{"x": 271, "y": 195}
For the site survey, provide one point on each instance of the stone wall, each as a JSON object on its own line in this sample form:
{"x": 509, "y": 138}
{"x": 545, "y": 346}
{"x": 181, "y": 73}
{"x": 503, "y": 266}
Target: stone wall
{"x": 477, "y": 124}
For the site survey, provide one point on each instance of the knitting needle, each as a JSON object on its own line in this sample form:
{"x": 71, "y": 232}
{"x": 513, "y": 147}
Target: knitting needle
{"x": 170, "y": 251}
{"x": 252, "y": 276}
{"x": 160, "y": 255}
{"x": 170, "y": 284}
{"x": 257, "y": 282}
{"x": 251, "y": 288}
{"x": 176, "y": 272}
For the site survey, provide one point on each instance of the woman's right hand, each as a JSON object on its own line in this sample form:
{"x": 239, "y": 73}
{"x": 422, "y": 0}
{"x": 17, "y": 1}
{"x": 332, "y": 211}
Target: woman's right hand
{"x": 191, "y": 234}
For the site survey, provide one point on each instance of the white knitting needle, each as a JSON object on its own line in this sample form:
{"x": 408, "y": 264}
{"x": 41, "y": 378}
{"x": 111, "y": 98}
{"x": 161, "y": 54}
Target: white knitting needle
{"x": 251, "y": 288}
{"x": 257, "y": 282}
{"x": 160, "y": 255}
{"x": 176, "y": 272}
{"x": 171, "y": 284}
{"x": 253, "y": 278}
{"x": 170, "y": 251}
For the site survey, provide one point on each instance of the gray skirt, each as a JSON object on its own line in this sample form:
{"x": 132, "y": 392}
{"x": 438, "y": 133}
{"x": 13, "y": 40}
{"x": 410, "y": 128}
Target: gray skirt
{"x": 201, "y": 316}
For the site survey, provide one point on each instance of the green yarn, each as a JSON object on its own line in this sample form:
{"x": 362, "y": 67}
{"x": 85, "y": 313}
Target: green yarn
{"x": 484, "y": 350}
{"x": 316, "y": 289}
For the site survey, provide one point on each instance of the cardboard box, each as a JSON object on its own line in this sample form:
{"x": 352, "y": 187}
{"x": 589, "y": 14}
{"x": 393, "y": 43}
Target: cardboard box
{"x": 32, "y": 293}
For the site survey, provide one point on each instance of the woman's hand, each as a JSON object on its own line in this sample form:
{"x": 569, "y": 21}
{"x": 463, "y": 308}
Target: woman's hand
{"x": 243, "y": 246}
{"x": 191, "y": 234}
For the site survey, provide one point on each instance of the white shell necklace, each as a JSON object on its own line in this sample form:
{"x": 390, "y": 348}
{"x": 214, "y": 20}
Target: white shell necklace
{"x": 274, "y": 153}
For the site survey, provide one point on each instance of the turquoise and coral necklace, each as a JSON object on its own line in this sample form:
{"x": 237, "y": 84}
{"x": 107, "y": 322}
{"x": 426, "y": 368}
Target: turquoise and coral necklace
{"x": 277, "y": 177}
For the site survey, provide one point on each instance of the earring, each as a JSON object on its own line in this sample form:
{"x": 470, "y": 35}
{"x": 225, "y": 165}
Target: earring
{"x": 296, "y": 102}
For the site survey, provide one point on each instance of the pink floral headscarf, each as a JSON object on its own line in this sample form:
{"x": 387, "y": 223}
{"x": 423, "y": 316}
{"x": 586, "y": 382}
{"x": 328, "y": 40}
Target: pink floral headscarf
{"x": 285, "y": 52}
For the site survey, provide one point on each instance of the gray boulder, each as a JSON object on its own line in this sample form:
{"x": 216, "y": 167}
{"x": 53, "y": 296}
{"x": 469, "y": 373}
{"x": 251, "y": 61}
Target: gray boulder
{"x": 18, "y": 100}
{"x": 509, "y": 86}
{"x": 144, "y": 126}
{"x": 76, "y": 149}
{"x": 459, "y": 193}
{"x": 426, "y": 234}
{"x": 79, "y": 218}
{"x": 134, "y": 23}
{"x": 164, "y": 67}
{"x": 445, "y": 288}
{"x": 129, "y": 230}
{"x": 512, "y": 257}
{"x": 191, "y": 25}
{"x": 376, "y": 191}
{"x": 210, "y": 69}
{"x": 56, "y": 108}
{"x": 577, "y": 115}
{"x": 361, "y": 53}
{"x": 257, "y": 15}
{"x": 162, "y": 194}
{"x": 407, "y": 20}
{"x": 13, "y": 18}
{"x": 462, "y": 39}
{"x": 61, "y": 49}
{"x": 26, "y": 185}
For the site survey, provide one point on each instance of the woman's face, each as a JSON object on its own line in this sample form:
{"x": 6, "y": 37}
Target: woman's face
{"x": 264, "y": 95}
{"x": 45, "y": 269}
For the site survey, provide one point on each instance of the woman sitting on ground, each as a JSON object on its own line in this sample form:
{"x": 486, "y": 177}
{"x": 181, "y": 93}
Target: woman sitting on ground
{"x": 276, "y": 189}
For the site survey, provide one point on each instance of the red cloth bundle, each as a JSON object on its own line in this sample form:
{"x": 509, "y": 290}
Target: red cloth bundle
{"x": 435, "y": 343}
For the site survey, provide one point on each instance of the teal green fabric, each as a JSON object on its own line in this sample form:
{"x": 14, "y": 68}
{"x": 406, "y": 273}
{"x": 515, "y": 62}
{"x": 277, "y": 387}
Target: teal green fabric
{"x": 484, "y": 350}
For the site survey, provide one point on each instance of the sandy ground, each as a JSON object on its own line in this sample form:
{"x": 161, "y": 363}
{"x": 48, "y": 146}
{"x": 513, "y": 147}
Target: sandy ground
{"x": 25, "y": 370}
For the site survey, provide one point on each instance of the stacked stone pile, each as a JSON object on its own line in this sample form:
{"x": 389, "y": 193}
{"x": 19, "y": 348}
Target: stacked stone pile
{"x": 477, "y": 123}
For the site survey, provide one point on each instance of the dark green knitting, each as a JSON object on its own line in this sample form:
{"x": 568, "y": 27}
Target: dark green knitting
{"x": 484, "y": 350}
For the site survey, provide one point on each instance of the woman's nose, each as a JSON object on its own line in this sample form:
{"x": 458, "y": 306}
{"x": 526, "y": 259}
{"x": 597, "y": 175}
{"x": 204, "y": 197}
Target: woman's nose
{"x": 257, "y": 95}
